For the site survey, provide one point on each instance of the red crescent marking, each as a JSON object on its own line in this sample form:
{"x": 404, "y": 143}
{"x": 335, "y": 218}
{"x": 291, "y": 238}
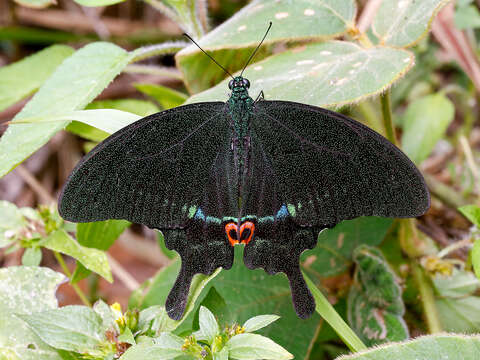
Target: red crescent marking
{"x": 247, "y": 225}
{"x": 229, "y": 227}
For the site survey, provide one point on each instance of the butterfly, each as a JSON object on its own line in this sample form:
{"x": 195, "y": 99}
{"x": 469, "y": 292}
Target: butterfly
{"x": 266, "y": 174}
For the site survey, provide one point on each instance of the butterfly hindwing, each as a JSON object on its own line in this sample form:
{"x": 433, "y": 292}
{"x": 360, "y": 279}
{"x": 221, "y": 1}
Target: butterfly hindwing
{"x": 202, "y": 247}
{"x": 157, "y": 171}
{"x": 327, "y": 168}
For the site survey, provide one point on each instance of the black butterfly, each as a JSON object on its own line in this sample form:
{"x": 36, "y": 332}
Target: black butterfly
{"x": 267, "y": 174}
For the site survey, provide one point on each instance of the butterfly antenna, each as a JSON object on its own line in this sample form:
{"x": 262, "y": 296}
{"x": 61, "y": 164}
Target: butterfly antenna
{"x": 215, "y": 61}
{"x": 255, "y": 51}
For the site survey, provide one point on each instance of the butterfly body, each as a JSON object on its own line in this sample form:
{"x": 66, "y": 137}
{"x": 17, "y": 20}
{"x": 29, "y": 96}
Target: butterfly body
{"x": 265, "y": 174}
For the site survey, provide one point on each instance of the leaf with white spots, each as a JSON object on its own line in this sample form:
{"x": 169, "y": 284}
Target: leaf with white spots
{"x": 327, "y": 74}
{"x": 25, "y": 290}
{"x": 291, "y": 20}
{"x": 403, "y": 23}
{"x": 72, "y": 328}
{"x": 448, "y": 347}
{"x": 299, "y": 19}
{"x": 93, "y": 259}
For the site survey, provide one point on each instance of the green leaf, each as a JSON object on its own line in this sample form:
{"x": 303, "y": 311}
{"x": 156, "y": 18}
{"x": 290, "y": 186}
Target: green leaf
{"x": 375, "y": 306}
{"x": 254, "y": 346}
{"x": 208, "y": 326}
{"x": 166, "y": 346}
{"x": 21, "y": 295}
{"x": 156, "y": 319}
{"x": 165, "y": 96}
{"x": 403, "y": 23}
{"x": 36, "y": 4}
{"x": 141, "y": 108}
{"x": 127, "y": 337}
{"x": 107, "y": 120}
{"x": 11, "y": 223}
{"x": 327, "y": 74}
{"x": 100, "y": 234}
{"x": 222, "y": 355}
{"x": 24, "y": 77}
{"x": 73, "y": 328}
{"x": 467, "y": 17}
{"x": 424, "y": 348}
{"x": 107, "y": 315}
{"x": 92, "y": 259}
{"x": 333, "y": 254}
{"x": 32, "y": 256}
{"x": 458, "y": 310}
{"x": 299, "y": 20}
{"x": 258, "y": 322}
{"x": 472, "y": 213}
{"x": 93, "y": 3}
{"x": 75, "y": 83}
{"x": 425, "y": 122}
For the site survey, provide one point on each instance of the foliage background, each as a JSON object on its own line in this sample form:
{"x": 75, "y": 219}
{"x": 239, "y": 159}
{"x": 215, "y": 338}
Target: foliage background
{"x": 94, "y": 69}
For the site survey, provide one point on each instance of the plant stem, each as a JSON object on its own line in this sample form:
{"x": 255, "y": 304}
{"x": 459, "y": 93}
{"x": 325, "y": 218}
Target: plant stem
{"x": 326, "y": 310}
{"x": 67, "y": 272}
{"x": 428, "y": 299}
{"x": 387, "y": 117}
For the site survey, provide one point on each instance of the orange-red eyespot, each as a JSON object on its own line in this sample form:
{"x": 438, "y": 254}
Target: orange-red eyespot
{"x": 247, "y": 229}
{"x": 231, "y": 232}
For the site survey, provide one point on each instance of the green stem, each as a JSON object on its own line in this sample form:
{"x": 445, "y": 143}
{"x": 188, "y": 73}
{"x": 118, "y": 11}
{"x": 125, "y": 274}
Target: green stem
{"x": 428, "y": 299}
{"x": 326, "y": 310}
{"x": 387, "y": 117}
{"x": 67, "y": 272}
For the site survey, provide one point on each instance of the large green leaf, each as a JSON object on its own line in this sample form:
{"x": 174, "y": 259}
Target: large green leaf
{"x": 424, "y": 123}
{"x": 93, "y": 259}
{"x": 296, "y": 20}
{"x": 22, "y": 78}
{"x": 107, "y": 120}
{"x": 327, "y": 74}
{"x": 25, "y": 290}
{"x": 375, "y": 306}
{"x": 403, "y": 23}
{"x": 433, "y": 347}
{"x": 73, "y": 328}
{"x": 99, "y": 235}
{"x": 164, "y": 95}
{"x": 75, "y": 83}
{"x": 333, "y": 254}
{"x": 254, "y": 346}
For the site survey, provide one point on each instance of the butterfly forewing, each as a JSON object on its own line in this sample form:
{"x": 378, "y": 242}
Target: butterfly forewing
{"x": 157, "y": 171}
{"x": 327, "y": 168}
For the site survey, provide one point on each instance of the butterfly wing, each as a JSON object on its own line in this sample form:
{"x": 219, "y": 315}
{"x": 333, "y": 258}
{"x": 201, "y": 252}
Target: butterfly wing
{"x": 314, "y": 168}
{"x": 167, "y": 171}
{"x": 327, "y": 168}
{"x": 157, "y": 171}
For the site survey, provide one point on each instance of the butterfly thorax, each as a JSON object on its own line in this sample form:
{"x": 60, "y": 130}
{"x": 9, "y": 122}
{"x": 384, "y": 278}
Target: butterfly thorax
{"x": 240, "y": 109}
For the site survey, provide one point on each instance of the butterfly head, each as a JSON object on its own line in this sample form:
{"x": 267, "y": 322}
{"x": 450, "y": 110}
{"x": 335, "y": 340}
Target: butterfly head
{"x": 239, "y": 84}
